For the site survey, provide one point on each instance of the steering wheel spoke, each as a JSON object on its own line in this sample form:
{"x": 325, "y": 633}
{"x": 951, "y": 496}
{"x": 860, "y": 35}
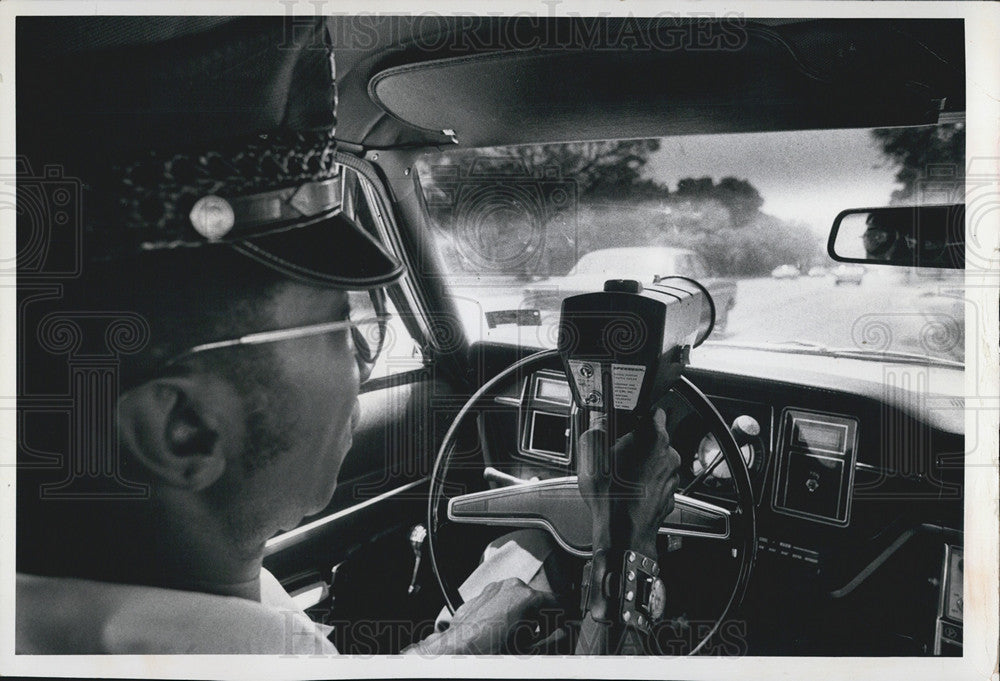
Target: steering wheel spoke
{"x": 557, "y": 506}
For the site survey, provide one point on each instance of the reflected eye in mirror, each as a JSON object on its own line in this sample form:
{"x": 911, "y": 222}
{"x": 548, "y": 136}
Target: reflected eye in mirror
{"x": 911, "y": 236}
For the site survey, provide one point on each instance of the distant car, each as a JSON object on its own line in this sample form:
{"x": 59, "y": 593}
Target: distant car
{"x": 818, "y": 271}
{"x": 648, "y": 264}
{"x": 848, "y": 274}
{"x": 785, "y": 272}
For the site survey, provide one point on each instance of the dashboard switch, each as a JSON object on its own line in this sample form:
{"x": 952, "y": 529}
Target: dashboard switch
{"x": 745, "y": 429}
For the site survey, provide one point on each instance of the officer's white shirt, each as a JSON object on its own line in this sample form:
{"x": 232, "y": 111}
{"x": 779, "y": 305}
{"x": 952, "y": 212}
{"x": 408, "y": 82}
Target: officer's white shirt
{"x": 58, "y": 615}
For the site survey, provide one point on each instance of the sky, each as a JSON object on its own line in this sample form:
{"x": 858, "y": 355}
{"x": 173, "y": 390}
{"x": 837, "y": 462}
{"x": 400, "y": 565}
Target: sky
{"x": 805, "y": 176}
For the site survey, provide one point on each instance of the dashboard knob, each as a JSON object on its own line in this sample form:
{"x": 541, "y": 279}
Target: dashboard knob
{"x": 745, "y": 429}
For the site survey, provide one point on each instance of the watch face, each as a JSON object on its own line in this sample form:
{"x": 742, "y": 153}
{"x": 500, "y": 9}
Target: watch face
{"x": 657, "y": 599}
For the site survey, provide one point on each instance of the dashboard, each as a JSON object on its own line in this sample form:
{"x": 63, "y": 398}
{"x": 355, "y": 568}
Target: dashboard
{"x": 858, "y": 498}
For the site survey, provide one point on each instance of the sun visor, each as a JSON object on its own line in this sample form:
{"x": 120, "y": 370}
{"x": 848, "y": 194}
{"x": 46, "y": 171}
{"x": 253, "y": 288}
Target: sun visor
{"x": 760, "y": 82}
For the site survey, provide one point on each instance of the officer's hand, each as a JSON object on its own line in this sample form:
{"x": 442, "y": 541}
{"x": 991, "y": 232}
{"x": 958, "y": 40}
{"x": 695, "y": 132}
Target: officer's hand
{"x": 487, "y": 624}
{"x": 629, "y": 487}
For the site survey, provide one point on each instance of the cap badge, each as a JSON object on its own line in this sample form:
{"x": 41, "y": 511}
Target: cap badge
{"x": 212, "y": 217}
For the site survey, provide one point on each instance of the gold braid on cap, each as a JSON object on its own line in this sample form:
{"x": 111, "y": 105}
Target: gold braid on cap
{"x": 146, "y": 204}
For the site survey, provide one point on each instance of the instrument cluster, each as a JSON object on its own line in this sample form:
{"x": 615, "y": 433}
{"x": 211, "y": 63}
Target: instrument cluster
{"x": 547, "y": 417}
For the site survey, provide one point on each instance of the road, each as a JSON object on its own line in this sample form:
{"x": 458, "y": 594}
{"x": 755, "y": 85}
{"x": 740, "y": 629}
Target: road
{"x": 923, "y": 315}
{"x": 887, "y": 311}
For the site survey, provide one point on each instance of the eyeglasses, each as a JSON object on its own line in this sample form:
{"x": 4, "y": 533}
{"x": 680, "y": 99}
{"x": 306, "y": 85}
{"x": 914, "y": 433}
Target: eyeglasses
{"x": 367, "y": 321}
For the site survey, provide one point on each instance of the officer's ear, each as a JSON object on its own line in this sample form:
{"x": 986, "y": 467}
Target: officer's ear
{"x": 183, "y": 430}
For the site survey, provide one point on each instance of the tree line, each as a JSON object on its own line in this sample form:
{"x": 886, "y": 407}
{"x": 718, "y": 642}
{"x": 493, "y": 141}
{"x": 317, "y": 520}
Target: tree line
{"x": 543, "y": 206}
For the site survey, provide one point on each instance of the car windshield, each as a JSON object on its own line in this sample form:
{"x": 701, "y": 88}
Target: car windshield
{"x": 517, "y": 229}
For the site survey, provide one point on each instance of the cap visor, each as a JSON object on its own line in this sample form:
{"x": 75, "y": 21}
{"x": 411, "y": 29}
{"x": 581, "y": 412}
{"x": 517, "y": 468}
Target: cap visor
{"x": 334, "y": 252}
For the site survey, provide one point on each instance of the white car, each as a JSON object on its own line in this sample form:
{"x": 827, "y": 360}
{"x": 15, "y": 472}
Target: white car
{"x": 647, "y": 264}
{"x": 851, "y": 274}
{"x": 785, "y": 272}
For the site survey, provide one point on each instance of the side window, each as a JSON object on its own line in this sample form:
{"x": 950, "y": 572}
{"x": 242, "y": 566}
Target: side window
{"x": 401, "y": 352}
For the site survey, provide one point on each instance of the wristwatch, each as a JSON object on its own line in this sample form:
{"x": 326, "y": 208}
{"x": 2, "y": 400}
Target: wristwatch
{"x": 625, "y": 589}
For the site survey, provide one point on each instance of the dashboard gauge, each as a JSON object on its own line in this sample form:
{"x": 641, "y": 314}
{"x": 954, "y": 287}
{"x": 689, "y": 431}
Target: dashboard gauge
{"x": 709, "y": 451}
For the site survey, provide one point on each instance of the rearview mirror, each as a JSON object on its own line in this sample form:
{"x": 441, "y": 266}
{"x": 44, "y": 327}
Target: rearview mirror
{"x": 911, "y": 236}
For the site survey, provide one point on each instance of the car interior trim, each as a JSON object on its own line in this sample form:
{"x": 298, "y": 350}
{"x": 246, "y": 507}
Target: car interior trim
{"x": 382, "y": 215}
{"x": 301, "y": 533}
{"x": 552, "y": 486}
{"x": 886, "y": 553}
{"x": 533, "y": 404}
{"x": 394, "y": 380}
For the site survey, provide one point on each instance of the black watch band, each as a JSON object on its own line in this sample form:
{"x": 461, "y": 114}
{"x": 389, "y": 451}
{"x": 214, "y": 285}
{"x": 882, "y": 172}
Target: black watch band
{"x": 623, "y": 589}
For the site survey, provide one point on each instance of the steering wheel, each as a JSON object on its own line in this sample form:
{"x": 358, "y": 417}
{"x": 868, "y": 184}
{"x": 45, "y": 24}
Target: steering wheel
{"x": 555, "y": 504}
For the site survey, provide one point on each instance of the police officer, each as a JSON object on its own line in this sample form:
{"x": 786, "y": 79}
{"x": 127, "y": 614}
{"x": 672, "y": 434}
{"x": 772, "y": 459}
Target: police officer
{"x": 216, "y": 312}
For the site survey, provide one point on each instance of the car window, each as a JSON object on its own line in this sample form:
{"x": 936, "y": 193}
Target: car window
{"x": 401, "y": 352}
{"x": 747, "y": 213}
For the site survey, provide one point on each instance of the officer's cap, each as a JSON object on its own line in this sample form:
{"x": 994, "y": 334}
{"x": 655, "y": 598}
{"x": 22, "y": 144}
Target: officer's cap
{"x": 194, "y": 132}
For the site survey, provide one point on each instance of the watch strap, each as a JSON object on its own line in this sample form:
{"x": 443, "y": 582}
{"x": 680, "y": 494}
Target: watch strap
{"x": 639, "y": 577}
{"x": 622, "y": 589}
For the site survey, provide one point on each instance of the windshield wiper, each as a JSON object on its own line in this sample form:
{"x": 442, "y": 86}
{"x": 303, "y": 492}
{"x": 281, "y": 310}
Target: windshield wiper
{"x": 896, "y": 356}
{"x": 809, "y": 348}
